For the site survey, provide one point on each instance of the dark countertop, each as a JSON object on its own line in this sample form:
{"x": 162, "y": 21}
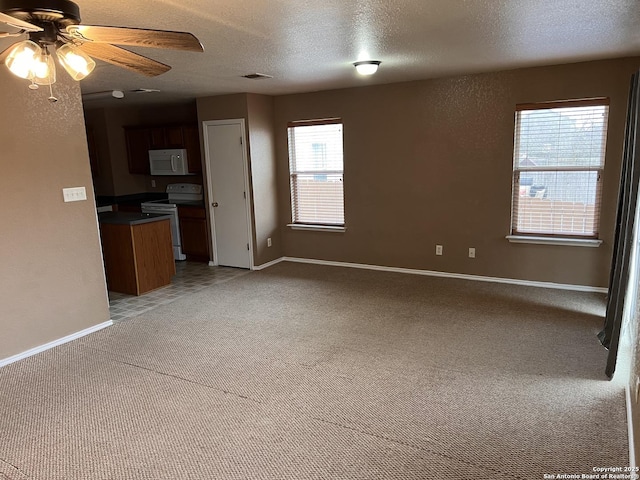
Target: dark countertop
{"x": 134, "y": 199}
{"x": 130, "y": 218}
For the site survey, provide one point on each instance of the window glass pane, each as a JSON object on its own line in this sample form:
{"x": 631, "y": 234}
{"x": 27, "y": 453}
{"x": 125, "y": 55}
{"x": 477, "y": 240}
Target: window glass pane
{"x": 558, "y": 160}
{"x": 320, "y": 198}
{"x": 561, "y": 137}
{"x": 557, "y": 203}
{"x": 316, "y": 172}
{"x": 316, "y": 147}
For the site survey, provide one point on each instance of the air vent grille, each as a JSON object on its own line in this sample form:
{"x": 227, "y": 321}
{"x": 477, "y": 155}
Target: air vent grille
{"x": 257, "y": 76}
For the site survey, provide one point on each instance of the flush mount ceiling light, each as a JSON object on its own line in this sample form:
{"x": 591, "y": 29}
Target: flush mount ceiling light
{"x": 367, "y": 67}
{"x": 54, "y": 30}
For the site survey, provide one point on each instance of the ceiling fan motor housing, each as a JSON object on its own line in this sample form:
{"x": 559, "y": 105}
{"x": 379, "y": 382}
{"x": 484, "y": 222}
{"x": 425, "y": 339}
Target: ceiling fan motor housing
{"x": 40, "y": 12}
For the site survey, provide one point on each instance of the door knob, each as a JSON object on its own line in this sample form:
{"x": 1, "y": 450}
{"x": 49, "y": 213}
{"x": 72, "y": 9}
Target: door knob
{"x": 214, "y": 204}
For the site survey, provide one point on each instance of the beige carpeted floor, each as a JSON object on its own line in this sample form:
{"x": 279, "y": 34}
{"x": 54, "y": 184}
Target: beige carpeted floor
{"x": 311, "y": 372}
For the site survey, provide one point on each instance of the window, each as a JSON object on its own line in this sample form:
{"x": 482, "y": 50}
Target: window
{"x": 316, "y": 172}
{"x": 557, "y": 168}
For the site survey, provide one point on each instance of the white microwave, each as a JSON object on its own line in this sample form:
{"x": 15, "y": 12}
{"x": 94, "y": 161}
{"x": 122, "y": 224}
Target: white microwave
{"x": 169, "y": 162}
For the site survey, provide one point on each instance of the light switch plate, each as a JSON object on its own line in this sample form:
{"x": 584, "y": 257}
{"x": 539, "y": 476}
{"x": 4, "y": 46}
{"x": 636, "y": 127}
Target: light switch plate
{"x": 74, "y": 194}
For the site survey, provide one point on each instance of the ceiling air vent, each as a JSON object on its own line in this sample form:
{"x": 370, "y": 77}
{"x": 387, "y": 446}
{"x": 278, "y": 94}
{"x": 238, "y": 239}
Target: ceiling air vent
{"x": 145, "y": 90}
{"x": 257, "y": 76}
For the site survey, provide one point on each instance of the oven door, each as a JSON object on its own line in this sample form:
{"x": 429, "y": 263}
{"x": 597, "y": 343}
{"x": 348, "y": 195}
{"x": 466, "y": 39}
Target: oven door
{"x": 175, "y": 226}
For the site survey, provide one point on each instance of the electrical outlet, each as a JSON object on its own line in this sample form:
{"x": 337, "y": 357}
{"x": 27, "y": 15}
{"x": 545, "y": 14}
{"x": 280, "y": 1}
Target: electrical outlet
{"x": 438, "y": 249}
{"x": 269, "y": 242}
{"x": 74, "y": 194}
{"x": 472, "y": 252}
{"x": 153, "y": 183}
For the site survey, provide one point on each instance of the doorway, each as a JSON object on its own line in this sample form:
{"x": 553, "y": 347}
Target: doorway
{"x": 229, "y": 194}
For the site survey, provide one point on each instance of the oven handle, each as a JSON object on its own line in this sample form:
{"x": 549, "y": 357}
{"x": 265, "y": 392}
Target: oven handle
{"x": 163, "y": 211}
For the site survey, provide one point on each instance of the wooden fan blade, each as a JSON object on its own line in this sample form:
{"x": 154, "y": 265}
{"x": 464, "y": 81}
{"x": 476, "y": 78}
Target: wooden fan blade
{"x": 21, "y": 24}
{"x": 139, "y": 37}
{"x": 17, "y": 23}
{"x": 124, "y": 58}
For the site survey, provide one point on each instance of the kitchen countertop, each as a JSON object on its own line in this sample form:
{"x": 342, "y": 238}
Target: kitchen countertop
{"x": 133, "y": 199}
{"x": 130, "y": 218}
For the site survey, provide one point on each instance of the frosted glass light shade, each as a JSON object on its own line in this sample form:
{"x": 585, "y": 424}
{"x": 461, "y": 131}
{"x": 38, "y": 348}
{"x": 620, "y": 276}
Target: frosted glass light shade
{"x": 44, "y": 69}
{"x": 21, "y": 58}
{"x": 367, "y": 67}
{"x": 77, "y": 63}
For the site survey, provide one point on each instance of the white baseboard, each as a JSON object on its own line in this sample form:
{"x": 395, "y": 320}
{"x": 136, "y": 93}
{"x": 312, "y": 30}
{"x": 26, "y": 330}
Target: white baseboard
{"x": 55, "y": 343}
{"x": 268, "y": 264}
{"x": 632, "y": 446}
{"x": 462, "y": 276}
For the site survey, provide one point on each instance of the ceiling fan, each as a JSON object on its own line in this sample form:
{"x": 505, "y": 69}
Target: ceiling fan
{"x": 53, "y": 26}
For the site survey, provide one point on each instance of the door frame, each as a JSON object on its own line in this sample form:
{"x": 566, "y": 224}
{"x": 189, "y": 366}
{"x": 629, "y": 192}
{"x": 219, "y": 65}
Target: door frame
{"x": 245, "y": 167}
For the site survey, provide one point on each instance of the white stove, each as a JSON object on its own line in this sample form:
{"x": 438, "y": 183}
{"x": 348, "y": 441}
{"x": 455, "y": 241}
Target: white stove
{"x": 178, "y": 194}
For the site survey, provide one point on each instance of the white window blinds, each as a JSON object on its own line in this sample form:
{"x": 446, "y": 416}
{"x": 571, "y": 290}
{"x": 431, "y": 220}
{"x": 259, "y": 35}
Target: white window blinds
{"x": 316, "y": 172}
{"x": 557, "y": 170}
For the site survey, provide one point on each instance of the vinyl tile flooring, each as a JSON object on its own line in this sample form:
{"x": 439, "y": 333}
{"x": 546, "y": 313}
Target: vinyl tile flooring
{"x": 190, "y": 277}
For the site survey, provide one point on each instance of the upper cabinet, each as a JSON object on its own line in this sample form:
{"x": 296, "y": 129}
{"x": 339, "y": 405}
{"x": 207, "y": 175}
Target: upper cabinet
{"x": 142, "y": 139}
{"x": 93, "y": 153}
{"x": 167, "y": 137}
{"x": 138, "y": 145}
{"x": 191, "y": 138}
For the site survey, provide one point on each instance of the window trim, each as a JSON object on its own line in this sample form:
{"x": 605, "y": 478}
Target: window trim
{"x": 329, "y": 227}
{"x": 566, "y": 241}
{"x": 517, "y": 236}
{"x": 317, "y": 227}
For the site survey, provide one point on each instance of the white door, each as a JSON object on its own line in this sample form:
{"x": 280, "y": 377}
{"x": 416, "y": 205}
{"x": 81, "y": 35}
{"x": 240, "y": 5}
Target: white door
{"x": 228, "y": 193}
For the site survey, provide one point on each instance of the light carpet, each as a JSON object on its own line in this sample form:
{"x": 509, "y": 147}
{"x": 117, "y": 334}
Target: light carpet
{"x": 313, "y": 372}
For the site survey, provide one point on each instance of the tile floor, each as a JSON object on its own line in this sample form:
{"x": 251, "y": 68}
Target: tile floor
{"x": 190, "y": 277}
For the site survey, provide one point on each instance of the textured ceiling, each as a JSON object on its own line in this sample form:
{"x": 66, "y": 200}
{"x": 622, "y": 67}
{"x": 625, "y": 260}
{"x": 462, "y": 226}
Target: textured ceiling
{"x": 309, "y": 45}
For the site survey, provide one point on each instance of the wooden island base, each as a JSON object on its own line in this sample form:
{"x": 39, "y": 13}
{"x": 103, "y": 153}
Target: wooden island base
{"x": 138, "y": 253}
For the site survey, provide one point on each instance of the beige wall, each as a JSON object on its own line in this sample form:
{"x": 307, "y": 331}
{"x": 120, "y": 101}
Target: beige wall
{"x": 257, "y": 111}
{"x": 430, "y": 162}
{"x": 108, "y": 125}
{"x": 263, "y": 178}
{"x": 52, "y": 283}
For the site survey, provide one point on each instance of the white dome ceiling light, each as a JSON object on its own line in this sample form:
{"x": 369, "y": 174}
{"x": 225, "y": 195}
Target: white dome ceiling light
{"x": 367, "y": 67}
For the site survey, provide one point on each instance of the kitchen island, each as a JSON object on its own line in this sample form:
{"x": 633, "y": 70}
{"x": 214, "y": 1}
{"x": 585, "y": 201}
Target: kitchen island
{"x": 137, "y": 250}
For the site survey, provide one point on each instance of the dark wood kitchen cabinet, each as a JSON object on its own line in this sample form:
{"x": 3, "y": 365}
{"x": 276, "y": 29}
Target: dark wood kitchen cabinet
{"x": 193, "y": 232}
{"x": 138, "y": 144}
{"x": 191, "y": 138}
{"x": 142, "y": 139}
{"x": 167, "y": 137}
{"x": 93, "y": 153}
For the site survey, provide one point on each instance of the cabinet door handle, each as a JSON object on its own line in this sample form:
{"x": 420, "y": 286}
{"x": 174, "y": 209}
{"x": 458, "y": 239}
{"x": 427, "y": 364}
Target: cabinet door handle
{"x": 214, "y": 204}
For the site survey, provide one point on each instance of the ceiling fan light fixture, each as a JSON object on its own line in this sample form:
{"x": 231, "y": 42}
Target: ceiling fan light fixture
{"x": 77, "y": 63}
{"x": 367, "y": 67}
{"x": 44, "y": 69}
{"x": 21, "y": 59}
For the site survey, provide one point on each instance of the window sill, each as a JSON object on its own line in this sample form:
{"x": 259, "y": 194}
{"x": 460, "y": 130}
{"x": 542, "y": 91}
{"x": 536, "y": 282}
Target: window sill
{"x": 316, "y": 228}
{"x": 571, "y": 242}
